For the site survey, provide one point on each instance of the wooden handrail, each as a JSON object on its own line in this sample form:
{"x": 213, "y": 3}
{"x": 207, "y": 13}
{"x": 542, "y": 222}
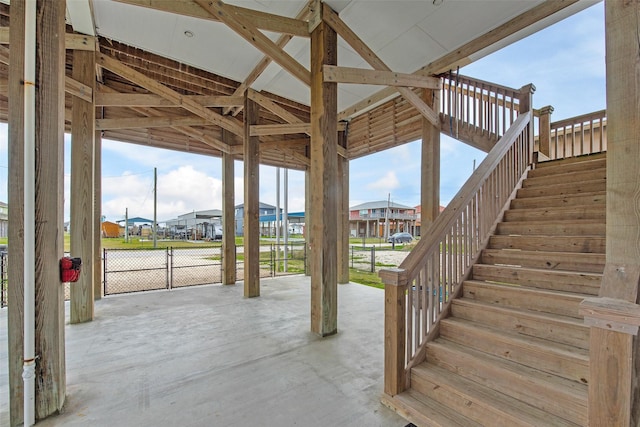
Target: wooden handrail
{"x": 421, "y": 289}
{"x": 575, "y": 136}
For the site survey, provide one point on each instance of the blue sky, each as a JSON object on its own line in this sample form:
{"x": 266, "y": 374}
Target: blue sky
{"x": 565, "y": 62}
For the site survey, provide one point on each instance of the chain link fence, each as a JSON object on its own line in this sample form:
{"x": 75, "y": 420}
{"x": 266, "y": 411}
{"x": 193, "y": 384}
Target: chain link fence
{"x": 3, "y": 278}
{"x": 363, "y": 258}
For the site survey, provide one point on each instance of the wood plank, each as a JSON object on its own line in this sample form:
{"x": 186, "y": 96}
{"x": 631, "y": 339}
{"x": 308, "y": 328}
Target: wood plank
{"x": 97, "y": 214}
{"x": 150, "y": 122}
{"x": 167, "y": 93}
{"x": 258, "y": 19}
{"x": 576, "y": 227}
{"x": 553, "y": 358}
{"x": 586, "y": 262}
{"x": 337, "y": 74}
{"x": 79, "y": 89}
{"x": 481, "y": 404}
{"x": 545, "y": 301}
{"x": 324, "y": 199}
{"x": 594, "y": 212}
{"x": 577, "y": 176}
{"x": 82, "y": 180}
{"x": 422, "y": 411}
{"x": 561, "y": 397}
{"x": 151, "y": 100}
{"x": 343, "y": 214}
{"x": 562, "y": 329}
{"x": 584, "y": 199}
{"x": 286, "y": 129}
{"x": 590, "y": 186}
{"x": 228, "y": 216}
{"x": 332, "y": 19}
{"x": 72, "y": 41}
{"x": 430, "y": 167}
{"x": 251, "y": 156}
{"x": 549, "y": 243}
{"x": 245, "y": 28}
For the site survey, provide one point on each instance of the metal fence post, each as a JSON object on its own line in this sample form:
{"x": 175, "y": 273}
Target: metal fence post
{"x": 373, "y": 259}
{"x": 169, "y": 267}
{"x": 352, "y": 254}
{"x": 104, "y": 270}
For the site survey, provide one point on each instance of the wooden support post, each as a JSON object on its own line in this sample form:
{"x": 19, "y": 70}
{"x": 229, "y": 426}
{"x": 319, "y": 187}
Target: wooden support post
{"x": 614, "y": 384}
{"x": 394, "y": 331}
{"x": 97, "y": 216}
{"x": 544, "y": 130}
{"x": 343, "y": 213}
{"x": 525, "y": 103}
{"x": 251, "y": 202}
{"x": 324, "y": 198}
{"x": 430, "y": 179}
{"x": 50, "y": 383}
{"x": 228, "y": 216}
{"x": 82, "y": 187}
{"x": 15, "y": 320}
{"x": 307, "y": 221}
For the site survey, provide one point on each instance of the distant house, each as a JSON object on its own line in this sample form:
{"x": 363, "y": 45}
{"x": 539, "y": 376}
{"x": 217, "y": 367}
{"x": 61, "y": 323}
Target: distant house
{"x": 4, "y": 219}
{"x": 265, "y": 209}
{"x": 111, "y": 229}
{"x": 196, "y": 225}
{"x": 369, "y": 219}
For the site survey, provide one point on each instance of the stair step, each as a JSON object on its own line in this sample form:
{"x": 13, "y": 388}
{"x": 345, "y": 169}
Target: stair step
{"x": 568, "y": 261}
{"x": 574, "y": 163}
{"x": 558, "y": 280}
{"x": 482, "y": 404}
{"x": 515, "y": 296}
{"x": 423, "y": 411}
{"x": 563, "y": 189}
{"x": 577, "y": 227}
{"x": 565, "y": 177}
{"x": 592, "y": 212}
{"x": 593, "y": 198}
{"x": 581, "y": 244}
{"x": 561, "y": 329}
{"x": 563, "y": 360}
{"x": 559, "y": 396}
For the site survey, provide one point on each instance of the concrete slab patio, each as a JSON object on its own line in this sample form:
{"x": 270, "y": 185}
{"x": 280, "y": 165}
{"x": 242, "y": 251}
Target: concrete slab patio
{"x": 206, "y": 356}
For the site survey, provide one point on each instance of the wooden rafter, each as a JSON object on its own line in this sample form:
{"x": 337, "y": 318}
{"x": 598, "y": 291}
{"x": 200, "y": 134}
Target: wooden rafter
{"x": 187, "y": 103}
{"x": 338, "y": 25}
{"x": 257, "y": 19}
{"x": 250, "y": 33}
{"x": 72, "y": 41}
{"x": 266, "y": 60}
{"x": 152, "y": 100}
{"x": 150, "y": 122}
{"x": 461, "y": 56}
{"x": 285, "y": 129}
{"x": 337, "y": 74}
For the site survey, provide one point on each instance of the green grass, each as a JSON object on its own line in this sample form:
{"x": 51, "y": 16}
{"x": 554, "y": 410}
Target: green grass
{"x": 365, "y": 278}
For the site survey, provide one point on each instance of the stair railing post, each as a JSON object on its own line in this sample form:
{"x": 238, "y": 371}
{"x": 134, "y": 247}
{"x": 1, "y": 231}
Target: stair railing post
{"x": 544, "y": 130}
{"x": 395, "y": 289}
{"x": 525, "y": 102}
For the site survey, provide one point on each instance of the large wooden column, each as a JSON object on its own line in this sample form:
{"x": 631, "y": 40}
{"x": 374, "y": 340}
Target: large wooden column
{"x": 228, "y": 216}
{"x": 614, "y": 388}
{"x": 324, "y": 194}
{"x": 307, "y": 221}
{"x": 251, "y": 202}
{"x": 343, "y": 213}
{"x": 430, "y": 178}
{"x": 97, "y": 215}
{"x": 50, "y": 384}
{"x": 82, "y": 188}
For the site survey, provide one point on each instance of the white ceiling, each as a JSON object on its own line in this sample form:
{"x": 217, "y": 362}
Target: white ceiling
{"x": 405, "y": 34}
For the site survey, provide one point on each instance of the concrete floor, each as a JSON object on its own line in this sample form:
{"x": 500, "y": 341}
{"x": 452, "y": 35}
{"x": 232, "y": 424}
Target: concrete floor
{"x": 205, "y": 356}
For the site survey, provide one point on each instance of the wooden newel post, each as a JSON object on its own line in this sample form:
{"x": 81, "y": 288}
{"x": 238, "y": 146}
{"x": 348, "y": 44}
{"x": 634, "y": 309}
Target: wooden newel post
{"x": 395, "y": 289}
{"x": 544, "y": 130}
{"x": 525, "y": 102}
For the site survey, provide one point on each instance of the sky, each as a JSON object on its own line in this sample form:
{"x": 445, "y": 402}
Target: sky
{"x": 566, "y": 63}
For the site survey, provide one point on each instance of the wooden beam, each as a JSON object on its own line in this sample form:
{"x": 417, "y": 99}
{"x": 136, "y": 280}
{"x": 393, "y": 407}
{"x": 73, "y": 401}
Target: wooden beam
{"x": 333, "y": 20}
{"x": 78, "y": 89}
{"x": 287, "y": 128}
{"x": 262, "y": 65}
{"x": 430, "y": 175}
{"x": 324, "y": 197}
{"x": 97, "y": 213}
{"x": 343, "y": 213}
{"x": 150, "y": 122}
{"x": 251, "y": 203}
{"x": 150, "y": 100}
{"x": 461, "y": 56}
{"x": 228, "y": 216}
{"x": 250, "y": 33}
{"x": 276, "y": 109}
{"x": 377, "y": 77}
{"x": 262, "y": 20}
{"x": 82, "y": 177}
{"x": 72, "y": 41}
{"x": 167, "y": 93}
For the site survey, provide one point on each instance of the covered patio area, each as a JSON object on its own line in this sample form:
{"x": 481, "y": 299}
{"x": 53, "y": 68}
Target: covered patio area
{"x": 205, "y": 356}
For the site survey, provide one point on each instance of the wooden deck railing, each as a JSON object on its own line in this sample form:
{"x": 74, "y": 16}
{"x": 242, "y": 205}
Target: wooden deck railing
{"x": 421, "y": 289}
{"x": 472, "y": 105}
{"x": 576, "y": 136}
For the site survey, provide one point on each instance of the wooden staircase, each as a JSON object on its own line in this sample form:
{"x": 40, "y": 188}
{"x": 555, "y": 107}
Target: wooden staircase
{"x": 514, "y": 351}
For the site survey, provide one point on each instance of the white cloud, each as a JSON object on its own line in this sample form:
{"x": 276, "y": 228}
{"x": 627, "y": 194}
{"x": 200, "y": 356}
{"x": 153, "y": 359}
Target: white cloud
{"x": 388, "y": 182}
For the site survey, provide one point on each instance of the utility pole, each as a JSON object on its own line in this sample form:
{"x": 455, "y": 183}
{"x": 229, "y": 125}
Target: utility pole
{"x": 126, "y": 225}
{"x": 285, "y": 228}
{"x": 155, "y": 208}
{"x": 386, "y": 218}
